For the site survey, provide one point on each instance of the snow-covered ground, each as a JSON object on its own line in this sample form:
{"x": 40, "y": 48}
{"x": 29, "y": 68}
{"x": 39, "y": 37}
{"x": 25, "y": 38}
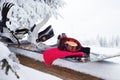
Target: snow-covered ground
{"x": 25, "y": 73}
{"x": 86, "y": 20}
{"x": 107, "y": 69}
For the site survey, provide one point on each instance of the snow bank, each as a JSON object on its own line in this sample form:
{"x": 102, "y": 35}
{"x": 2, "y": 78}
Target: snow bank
{"x": 27, "y": 73}
{"x": 24, "y": 73}
{"x": 105, "y": 69}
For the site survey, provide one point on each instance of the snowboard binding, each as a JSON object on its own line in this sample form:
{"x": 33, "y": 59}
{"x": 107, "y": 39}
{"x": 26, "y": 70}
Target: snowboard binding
{"x": 45, "y": 34}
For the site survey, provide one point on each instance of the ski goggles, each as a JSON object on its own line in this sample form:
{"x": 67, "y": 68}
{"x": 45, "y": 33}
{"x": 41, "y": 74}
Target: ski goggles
{"x": 71, "y": 46}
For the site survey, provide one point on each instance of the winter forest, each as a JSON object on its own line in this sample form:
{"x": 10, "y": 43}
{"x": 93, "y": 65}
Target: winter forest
{"x": 94, "y": 23}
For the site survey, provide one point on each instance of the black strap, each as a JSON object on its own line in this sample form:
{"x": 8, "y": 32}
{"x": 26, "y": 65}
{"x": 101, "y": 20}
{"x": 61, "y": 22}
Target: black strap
{"x": 14, "y": 37}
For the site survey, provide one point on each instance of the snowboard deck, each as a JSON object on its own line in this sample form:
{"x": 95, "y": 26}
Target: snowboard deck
{"x": 94, "y": 57}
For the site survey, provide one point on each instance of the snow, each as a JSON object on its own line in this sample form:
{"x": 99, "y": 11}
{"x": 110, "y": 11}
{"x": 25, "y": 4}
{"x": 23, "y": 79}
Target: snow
{"x": 108, "y": 69}
{"x": 91, "y": 20}
{"x": 4, "y": 49}
{"x": 25, "y": 13}
{"x": 104, "y": 70}
{"x": 25, "y": 73}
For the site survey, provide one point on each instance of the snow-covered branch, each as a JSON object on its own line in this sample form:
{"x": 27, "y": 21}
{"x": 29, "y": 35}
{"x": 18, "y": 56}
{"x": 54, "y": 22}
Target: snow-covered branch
{"x": 25, "y": 13}
{"x": 8, "y": 60}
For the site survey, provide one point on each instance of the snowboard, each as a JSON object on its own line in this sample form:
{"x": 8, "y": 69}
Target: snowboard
{"x": 94, "y": 57}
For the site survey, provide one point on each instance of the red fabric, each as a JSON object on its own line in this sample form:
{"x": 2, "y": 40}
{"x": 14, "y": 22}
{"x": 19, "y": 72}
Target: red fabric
{"x": 54, "y": 53}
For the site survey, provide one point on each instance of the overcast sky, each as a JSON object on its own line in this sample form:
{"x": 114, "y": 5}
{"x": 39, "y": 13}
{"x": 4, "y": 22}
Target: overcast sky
{"x": 88, "y": 18}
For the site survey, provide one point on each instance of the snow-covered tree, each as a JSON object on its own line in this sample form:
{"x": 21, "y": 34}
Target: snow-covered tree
{"x": 25, "y": 13}
{"x": 29, "y": 15}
